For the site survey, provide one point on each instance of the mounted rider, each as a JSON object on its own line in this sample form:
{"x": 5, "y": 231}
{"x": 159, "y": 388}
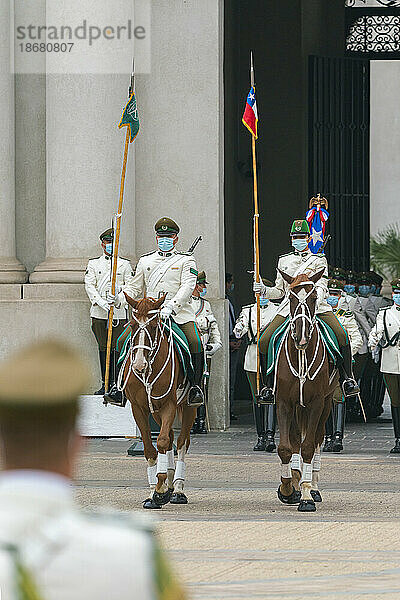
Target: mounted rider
{"x": 168, "y": 272}
{"x": 302, "y": 260}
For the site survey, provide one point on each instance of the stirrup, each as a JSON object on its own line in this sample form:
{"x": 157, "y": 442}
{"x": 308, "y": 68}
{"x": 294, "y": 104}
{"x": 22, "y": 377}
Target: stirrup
{"x": 115, "y": 397}
{"x": 266, "y": 396}
{"x": 350, "y": 387}
{"x": 195, "y": 396}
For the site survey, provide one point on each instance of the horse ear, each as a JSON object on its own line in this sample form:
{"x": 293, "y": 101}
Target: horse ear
{"x": 286, "y": 277}
{"x": 158, "y": 303}
{"x": 317, "y": 276}
{"x": 131, "y": 301}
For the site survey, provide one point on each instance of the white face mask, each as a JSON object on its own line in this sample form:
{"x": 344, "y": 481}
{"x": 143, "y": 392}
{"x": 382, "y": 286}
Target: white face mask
{"x": 300, "y": 244}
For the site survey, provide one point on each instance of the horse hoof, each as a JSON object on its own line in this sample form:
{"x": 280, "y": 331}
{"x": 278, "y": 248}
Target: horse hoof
{"x": 306, "y": 506}
{"x": 163, "y": 498}
{"x": 294, "y": 497}
{"x": 178, "y": 498}
{"x": 148, "y": 503}
{"x": 316, "y": 495}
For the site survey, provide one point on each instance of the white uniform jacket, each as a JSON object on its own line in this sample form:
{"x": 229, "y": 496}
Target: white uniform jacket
{"x": 380, "y": 302}
{"x": 293, "y": 264}
{"x": 348, "y": 320}
{"x": 98, "y": 283}
{"x": 365, "y": 314}
{"x": 70, "y": 554}
{"x": 247, "y": 323}
{"x": 389, "y": 317}
{"x": 207, "y": 324}
{"x": 173, "y": 273}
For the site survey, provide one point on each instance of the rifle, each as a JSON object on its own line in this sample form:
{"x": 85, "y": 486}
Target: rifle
{"x": 195, "y": 243}
{"x": 326, "y": 240}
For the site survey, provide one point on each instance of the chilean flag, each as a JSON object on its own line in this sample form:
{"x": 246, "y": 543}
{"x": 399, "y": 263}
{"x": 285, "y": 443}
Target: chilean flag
{"x": 250, "y": 116}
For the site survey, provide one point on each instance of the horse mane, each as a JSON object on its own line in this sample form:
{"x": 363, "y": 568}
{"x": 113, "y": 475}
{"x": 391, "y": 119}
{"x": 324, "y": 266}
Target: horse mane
{"x": 144, "y": 306}
{"x": 298, "y": 280}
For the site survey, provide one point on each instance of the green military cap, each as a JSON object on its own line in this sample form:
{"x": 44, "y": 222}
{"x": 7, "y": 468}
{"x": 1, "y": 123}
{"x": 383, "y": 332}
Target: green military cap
{"x": 44, "y": 375}
{"x": 300, "y": 227}
{"x": 334, "y": 285}
{"x": 338, "y": 273}
{"x": 166, "y": 226}
{"x": 396, "y": 285}
{"x": 107, "y": 235}
{"x": 363, "y": 278}
{"x": 201, "y": 277}
{"x": 351, "y": 277}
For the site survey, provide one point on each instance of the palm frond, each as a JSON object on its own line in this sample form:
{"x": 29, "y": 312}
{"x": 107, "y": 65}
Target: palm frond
{"x": 385, "y": 251}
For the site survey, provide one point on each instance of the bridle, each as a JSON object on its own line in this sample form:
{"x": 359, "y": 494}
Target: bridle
{"x": 304, "y": 369}
{"x": 153, "y": 347}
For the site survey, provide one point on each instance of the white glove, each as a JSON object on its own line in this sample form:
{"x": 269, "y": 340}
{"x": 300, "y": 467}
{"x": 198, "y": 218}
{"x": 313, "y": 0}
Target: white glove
{"x": 211, "y": 349}
{"x": 259, "y": 287}
{"x": 113, "y": 299}
{"x": 103, "y": 304}
{"x": 375, "y": 354}
{"x": 166, "y": 312}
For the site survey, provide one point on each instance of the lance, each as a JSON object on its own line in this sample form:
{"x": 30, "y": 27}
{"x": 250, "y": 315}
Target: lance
{"x": 129, "y": 116}
{"x": 256, "y": 234}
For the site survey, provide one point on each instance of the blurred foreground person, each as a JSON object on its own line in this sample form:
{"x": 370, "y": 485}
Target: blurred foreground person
{"x": 49, "y": 549}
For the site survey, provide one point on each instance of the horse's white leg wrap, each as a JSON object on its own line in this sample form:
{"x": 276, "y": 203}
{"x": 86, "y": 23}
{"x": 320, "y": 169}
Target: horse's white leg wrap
{"x": 180, "y": 471}
{"x": 316, "y": 467}
{"x": 296, "y": 462}
{"x": 307, "y": 473}
{"x": 171, "y": 468}
{"x": 152, "y": 474}
{"x": 162, "y": 463}
{"x": 286, "y": 471}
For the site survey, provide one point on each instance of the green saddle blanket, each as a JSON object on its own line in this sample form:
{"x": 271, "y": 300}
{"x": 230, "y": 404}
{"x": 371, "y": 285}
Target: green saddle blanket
{"x": 181, "y": 346}
{"x": 278, "y": 337}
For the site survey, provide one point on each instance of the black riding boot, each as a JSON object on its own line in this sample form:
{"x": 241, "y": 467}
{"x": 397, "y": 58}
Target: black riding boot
{"x": 114, "y": 396}
{"x": 266, "y": 395}
{"x": 270, "y": 425}
{"x": 396, "y": 427}
{"x": 196, "y": 396}
{"x": 201, "y": 416}
{"x": 102, "y": 357}
{"x": 259, "y": 418}
{"x": 328, "y": 433}
{"x": 347, "y": 381}
{"x": 339, "y": 414}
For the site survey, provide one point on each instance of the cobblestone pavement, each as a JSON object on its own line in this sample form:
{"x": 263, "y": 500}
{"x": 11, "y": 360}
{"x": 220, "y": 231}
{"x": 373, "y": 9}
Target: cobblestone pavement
{"x": 235, "y": 540}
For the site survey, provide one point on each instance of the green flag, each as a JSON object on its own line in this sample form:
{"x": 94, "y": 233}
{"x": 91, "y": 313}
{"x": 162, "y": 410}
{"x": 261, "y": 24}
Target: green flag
{"x": 130, "y": 117}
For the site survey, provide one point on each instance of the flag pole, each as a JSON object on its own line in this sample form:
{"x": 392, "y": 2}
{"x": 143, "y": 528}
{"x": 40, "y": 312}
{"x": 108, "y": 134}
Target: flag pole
{"x": 116, "y": 244}
{"x": 256, "y": 234}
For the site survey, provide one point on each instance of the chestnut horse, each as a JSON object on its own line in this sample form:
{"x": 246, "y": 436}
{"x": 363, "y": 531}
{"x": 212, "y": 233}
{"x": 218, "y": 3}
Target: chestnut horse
{"x": 153, "y": 382}
{"x": 304, "y": 383}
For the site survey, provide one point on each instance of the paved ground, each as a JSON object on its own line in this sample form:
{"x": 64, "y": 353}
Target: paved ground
{"x": 235, "y": 540}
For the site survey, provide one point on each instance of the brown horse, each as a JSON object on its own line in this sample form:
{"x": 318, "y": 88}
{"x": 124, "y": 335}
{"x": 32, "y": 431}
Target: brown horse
{"x": 153, "y": 382}
{"x": 304, "y": 383}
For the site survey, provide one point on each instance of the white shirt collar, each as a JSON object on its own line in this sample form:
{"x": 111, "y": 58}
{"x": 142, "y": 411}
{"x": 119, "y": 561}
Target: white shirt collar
{"x": 25, "y": 480}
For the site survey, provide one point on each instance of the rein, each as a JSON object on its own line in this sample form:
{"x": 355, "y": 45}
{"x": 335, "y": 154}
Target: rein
{"x": 153, "y": 346}
{"x": 305, "y": 366}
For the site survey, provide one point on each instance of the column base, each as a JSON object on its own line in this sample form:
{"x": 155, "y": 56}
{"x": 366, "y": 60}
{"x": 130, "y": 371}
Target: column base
{"x": 12, "y": 271}
{"x": 55, "y": 270}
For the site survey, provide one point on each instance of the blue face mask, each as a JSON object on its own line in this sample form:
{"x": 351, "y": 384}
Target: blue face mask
{"x": 396, "y": 299}
{"x": 232, "y": 287}
{"x": 109, "y": 248}
{"x": 349, "y": 288}
{"x": 264, "y": 301}
{"x": 165, "y": 244}
{"x": 299, "y": 244}
{"x": 332, "y": 300}
{"x": 203, "y": 293}
{"x": 363, "y": 290}
{"x": 373, "y": 289}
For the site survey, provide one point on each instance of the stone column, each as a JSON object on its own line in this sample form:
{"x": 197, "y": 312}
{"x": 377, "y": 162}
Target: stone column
{"x": 11, "y": 270}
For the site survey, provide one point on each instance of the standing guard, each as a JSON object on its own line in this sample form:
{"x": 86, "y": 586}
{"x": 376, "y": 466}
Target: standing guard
{"x": 386, "y": 333}
{"x": 335, "y": 424}
{"x": 264, "y": 416}
{"x": 302, "y": 260}
{"x": 167, "y": 272}
{"x": 97, "y": 285}
{"x": 211, "y": 338}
